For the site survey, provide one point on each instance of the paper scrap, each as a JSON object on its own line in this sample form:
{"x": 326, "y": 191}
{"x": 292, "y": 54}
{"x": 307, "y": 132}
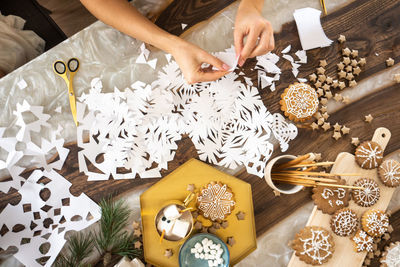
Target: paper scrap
{"x": 152, "y": 63}
{"x": 144, "y": 51}
{"x": 288, "y": 57}
{"x": 302, "y": 55}
{"x": 183, "y": 26}
{"x": 228, "y": 57}
{"x": 302, "y": 80}
{"x": 287, "y": 49}
{"x": 58, "y": 109}
{"x": 22, "y": 84}
{"x": 168, "y": 57}
{"x": 310, "y": 30}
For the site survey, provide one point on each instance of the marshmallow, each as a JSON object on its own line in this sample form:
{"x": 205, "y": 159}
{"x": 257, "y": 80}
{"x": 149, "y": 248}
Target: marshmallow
{"x": 180, "y": 228}
{"x": 172, "y": 212}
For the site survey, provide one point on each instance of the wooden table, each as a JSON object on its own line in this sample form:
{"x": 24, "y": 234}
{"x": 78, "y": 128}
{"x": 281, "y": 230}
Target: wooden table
{"x": 370, "y": 26}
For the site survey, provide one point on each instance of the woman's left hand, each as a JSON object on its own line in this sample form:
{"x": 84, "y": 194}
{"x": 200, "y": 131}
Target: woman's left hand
{"x": 259, "y": 32}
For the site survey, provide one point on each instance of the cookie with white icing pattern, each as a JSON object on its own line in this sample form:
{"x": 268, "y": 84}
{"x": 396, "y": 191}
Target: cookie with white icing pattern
{"x": 313, "y": 245}
{"x": 375, "y": 222}
{"x": 367, "y": 197}
{"x": 389, "y": 173}
{"x": 391, "y": 255}
{"x": 369, "y": 155}
{"x": 344, "y": 222}
{"x": 330, "y": 199}
{"x": 363, "y": 242}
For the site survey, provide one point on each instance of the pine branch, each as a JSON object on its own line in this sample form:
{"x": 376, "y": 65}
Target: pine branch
{"x": 80, "y": 246}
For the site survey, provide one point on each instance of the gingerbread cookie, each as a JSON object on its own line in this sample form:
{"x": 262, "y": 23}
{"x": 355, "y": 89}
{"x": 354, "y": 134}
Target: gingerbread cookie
{"x": 329, "y": 199}
{"x": 313, "y": 245}
{"x": 375, "y": 222}
{"x": 369, "y": 155}
{"x": 391, "y": 255}
{"x": 367, "y": 197}
{"x": 389, "y": 173}
{"x": 215, "y": 201}
{"x": 299, "y": 102}
{"x": 344, "y": 222}
{"x": 363, "y": 242}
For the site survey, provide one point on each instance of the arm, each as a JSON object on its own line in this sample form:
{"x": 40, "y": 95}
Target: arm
{"x": 124, "y": 17}
{"x": 249, "y": 22}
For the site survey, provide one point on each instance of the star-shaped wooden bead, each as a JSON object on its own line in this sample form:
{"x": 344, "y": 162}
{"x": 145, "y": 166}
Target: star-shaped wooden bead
{"x": 240, "y": 215}
{"x": 320, "y": 70}
{"x": 352, "y": 83}
{"x": 356, "y": 71}
{"x": 342, "y": 85}
{"x": 276, "y": 193}
{"x": 312, "y": 77}
{"x": 346, "y": 60}
{"x": 337, "y": 127}
{"x": 346, "y": 52}
{"x": 190, "y": 187}
{"x": 335, "y": 83}
{"x": 389, "y": 62}
{"x": 317, "y": 115}
{"x": 342, "y": 38}
{"x": 354, "y": 53}
{"x": 198, "y": 225}
{"x": 345, "y": 130}
{"x": 354, "y": 63}
{"x": 397, "y": 77}
{"x": 323, "y": 101}
{"x": 322, "y": 63}
{"x": 362, "y": 61}
{"x": 346, "y": 99}
{"x": 336, "y": 135}
{"x": 325, "y": 115}
{"x": 137, "y": 232}
{"x": 369, "y": 118}
{"x": 323, "y": 109}
{"x": 355, "y": 141}
{"x": 317, "y": 84}
{"x": 321, "y": 78}
{"x": 326, "y": 126}
{"x": 342, "y": 74}
{"x": 326, "y": 87}
{"x": 321, "y": 121}
{"x": 314, "y": 126}
{"x": 348, "y": 68}
{"x": 231, "y": 241}
{"x": 328, "y": 94}
{"x": 137, "y": 244}
{"x": 349, "y": 76}
{"x": 317, "y": 156}
{"x": 135, "y": 225}
{"x": 338, "y": 97}
{"x": 329, "y": 80}
{"x": 168, "y": 253}
{"x": 320, "y": 92}
{"x": 340, "y": 66}
{"x": 225, "y": 224}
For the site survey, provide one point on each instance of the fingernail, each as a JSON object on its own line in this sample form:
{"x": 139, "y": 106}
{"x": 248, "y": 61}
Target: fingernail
{"x": 225, "y": 67}
{"x": 241, "y": 62}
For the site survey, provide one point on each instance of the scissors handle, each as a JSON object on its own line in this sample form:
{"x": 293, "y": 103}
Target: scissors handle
{"x": 73, "y": 65}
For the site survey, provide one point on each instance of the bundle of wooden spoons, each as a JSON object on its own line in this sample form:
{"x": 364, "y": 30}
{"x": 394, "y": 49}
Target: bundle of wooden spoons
{"x": 300, "y": 171}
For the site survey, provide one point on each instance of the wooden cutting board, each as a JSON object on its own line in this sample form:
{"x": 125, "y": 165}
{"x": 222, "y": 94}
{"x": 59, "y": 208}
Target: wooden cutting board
{"x": 345, "y": 254}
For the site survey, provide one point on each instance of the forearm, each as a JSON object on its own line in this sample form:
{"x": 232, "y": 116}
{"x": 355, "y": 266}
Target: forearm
{"x": 258, "y": 4}
{"x": 121, "y": 15}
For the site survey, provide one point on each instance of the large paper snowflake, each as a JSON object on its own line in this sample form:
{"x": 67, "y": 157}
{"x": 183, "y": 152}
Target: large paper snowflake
{"x": 215, "y": 201}
{"x": 137, "y": 129}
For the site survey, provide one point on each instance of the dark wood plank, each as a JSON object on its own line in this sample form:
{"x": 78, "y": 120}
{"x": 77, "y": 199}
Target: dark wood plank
{"x": 189, "y": 12}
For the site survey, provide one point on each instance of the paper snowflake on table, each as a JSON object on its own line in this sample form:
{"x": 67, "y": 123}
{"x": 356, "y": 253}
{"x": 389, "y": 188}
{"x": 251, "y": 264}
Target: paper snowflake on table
{"x": 137, "y": 129}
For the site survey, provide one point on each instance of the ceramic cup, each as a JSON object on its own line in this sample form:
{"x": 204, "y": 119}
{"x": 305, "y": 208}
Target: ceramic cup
{"x": 187, "y": 216}
{"x": 280, "y": 187}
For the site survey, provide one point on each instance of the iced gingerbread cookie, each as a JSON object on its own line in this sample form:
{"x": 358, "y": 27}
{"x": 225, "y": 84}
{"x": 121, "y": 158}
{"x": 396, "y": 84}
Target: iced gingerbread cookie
{"x": 389, "y": 173}
{"x": 299, "y": 102}
{"x": 344, "y": 222}
{"x": 329, "y": 199}
{"x": 313, "y": 245}
{"x": 215, "y": 201}
{"x": 367, "y": 197}
{"x": 369, "y": 155}
{"x": 375, "y": 222}
{"x": 391, "y": 255}
{"x": 363, "y": 242}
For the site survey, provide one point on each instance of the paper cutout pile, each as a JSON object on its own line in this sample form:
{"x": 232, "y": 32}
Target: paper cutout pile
{"x": 47, "y": 210}
{"x": 137, "y": 128}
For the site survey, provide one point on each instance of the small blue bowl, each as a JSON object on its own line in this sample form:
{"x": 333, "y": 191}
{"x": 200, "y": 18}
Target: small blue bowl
{"x": 187, "y": 259}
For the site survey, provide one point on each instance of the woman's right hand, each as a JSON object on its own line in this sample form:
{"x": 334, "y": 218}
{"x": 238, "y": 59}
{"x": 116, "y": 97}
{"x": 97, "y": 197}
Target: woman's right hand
{"x": 190, "y": 59}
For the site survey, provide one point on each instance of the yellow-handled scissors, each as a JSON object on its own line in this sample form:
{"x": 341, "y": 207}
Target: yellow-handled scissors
{"x": 61, "y": 69}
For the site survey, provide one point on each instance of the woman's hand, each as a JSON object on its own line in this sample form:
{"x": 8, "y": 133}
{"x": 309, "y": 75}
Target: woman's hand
{"x": 259, "y": 32}
{"x": 190, "y": 59}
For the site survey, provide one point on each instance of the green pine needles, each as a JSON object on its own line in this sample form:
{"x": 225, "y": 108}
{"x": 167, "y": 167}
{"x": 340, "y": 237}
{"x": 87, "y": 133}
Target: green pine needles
{"x": 111, "y": 238}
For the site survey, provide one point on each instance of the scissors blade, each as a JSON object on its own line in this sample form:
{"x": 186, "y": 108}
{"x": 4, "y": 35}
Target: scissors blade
{"x": 72, "y": 102}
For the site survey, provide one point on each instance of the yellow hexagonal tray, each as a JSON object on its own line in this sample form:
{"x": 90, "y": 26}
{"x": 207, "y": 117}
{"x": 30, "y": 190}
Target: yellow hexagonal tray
{"x": 173, "y": 187}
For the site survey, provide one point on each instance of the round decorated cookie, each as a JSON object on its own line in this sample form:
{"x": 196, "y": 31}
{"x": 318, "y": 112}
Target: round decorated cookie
{"x": 367, "y": 197}
{"x": 391, "y": 255}
{"x": 215, "y": 201}
{"x": 369, "y": 155}
{"x": 299, "y": 102}
{"x": 389, "y": 173}
{"x": 363, "y": 242}
{"x": 313, "y": 245}
{"x": 329, "y": 199}
{"x": 375, "y": 222}
{"x": 344, "y": 222}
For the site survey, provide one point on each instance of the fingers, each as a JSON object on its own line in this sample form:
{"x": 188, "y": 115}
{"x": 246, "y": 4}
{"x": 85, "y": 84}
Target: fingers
{"x": 265, "y": 45}
{"x": 251, "y": 43}
{"x": 210, "y": 76}
{"x": 210, "y": 59}
{"x": 238, "y": 40}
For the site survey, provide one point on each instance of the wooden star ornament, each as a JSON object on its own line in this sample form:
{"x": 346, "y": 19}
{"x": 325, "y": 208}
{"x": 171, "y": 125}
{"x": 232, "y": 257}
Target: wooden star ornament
{"x": 355, "y": 141}
{"x": 369, "y": 118}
